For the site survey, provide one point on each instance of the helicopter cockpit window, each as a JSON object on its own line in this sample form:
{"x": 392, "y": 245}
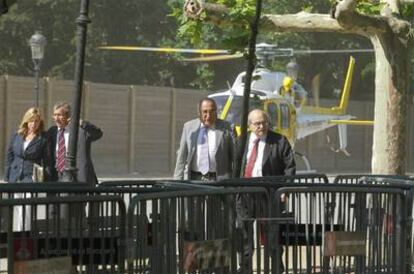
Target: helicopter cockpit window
{"x": 236, "y": 109}
{"x": 273, "y": 114}
{"x": 285, "y": 114}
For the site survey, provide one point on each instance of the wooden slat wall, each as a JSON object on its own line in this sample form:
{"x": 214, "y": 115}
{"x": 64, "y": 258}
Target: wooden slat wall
{"x": 3, "y": 120}
{"x": 57, "y": 91}
{"x": 410, "y": 138}
{"x": 108, "y": 107}
{"x": 152, "y": 129}
{"x": 142, "y": 126}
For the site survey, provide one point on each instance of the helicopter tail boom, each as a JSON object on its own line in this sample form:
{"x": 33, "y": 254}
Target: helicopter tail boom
{"x": 343, "y": 104}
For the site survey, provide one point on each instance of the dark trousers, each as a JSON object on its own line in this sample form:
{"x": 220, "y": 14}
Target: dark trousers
{"x": 247, "y": 207}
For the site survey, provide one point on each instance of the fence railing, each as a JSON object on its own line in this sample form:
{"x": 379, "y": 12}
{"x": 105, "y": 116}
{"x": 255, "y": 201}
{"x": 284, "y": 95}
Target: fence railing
{"x": 293, "y": 224}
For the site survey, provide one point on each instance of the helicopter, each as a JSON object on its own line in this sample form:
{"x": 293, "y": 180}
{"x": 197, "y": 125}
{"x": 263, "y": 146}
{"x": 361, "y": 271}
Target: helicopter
{"x": 277, "y": 93}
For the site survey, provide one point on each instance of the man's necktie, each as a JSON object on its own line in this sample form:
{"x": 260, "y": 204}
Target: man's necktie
{"x": 60, "y": 162}
{"x": 252, "y": 159}
{"x": 204, "y": 161}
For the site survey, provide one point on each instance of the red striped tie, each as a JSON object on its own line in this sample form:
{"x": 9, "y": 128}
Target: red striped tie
{"x": 60, "y": 163}
{"x": 252, "y": 160}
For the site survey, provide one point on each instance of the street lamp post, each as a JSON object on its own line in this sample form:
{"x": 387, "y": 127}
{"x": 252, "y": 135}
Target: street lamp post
{"x": 37, "y": 45}
{"x": 70, "y": 172}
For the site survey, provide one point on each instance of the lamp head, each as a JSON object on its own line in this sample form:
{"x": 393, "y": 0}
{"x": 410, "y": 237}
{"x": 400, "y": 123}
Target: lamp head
{"x": 37, "y": 44}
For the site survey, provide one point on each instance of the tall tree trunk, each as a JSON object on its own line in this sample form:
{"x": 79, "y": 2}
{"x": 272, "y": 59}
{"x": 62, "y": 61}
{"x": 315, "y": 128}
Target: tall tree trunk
{"x": 390, "y": 106}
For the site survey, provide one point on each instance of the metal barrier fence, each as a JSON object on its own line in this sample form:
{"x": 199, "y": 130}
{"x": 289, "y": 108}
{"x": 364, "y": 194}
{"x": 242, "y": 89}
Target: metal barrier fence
{"x": 58, "y": 215}
{"x": 189, "y": 231}
{"x": 300, "y": 260}
{"x": 363, "y": 178}
{"x": 295, "y": 224}
{"x": 315, "y": 178}
{"x": 343, "y": 229}
{"x": 75, "y": 241}
{"x": 90, "y": 226}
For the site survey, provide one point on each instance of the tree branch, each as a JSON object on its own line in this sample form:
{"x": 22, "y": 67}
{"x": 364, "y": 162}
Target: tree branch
{"x": 357, "y": 23}
{"x": 302, "y": 22}
{"x": 346, "y": 19}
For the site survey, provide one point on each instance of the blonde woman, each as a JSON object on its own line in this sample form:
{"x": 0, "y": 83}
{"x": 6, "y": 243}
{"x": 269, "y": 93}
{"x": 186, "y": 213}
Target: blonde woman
{"x": 27, "y": 146}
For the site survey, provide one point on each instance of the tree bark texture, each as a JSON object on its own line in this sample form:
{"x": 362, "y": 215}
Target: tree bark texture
{"x": 391, "y": 98}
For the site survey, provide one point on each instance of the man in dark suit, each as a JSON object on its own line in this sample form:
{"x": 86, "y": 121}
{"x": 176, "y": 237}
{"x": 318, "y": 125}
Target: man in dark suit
{"x": 58, "y": 137}
{"x": 206, "y": 149}
{"x": 272, "y": 155}
{"x": 267, "y": 153}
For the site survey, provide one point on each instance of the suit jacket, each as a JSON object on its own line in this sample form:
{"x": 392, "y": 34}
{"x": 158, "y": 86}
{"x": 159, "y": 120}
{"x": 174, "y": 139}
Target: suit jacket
{"x": 87, "y": 134}
{"x": 188, "y": 145}
{"x": 19, "y": 162}
{"x": 278, "y": 157}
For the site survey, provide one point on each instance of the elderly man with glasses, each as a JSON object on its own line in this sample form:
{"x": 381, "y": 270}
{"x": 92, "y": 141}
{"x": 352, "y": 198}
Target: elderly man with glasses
{"x": 267, "y": 153}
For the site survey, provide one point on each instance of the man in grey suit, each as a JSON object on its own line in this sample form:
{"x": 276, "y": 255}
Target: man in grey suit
{"x": 206, "y": 149}
{"x": 60, "y": 132}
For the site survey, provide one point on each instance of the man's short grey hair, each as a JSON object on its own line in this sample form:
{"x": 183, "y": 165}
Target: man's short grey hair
{"x": 265, "y": 115}
{"x": 65, "y": 106}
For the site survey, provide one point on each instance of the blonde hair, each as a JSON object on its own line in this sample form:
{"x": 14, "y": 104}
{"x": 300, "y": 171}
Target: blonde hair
{"x": 30, "y": 115}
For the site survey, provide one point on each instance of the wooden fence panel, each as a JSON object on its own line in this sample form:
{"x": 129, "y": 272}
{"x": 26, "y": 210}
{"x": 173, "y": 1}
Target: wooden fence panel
{"x": 3, "y": 121}
{"x": 151, "y": 130}
{"x": 410, "y": 138}
{"x": 108, "y": 107}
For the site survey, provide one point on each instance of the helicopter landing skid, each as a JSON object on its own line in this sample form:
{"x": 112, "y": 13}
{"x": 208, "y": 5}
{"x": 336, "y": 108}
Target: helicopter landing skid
{"x": 306, "y": 162}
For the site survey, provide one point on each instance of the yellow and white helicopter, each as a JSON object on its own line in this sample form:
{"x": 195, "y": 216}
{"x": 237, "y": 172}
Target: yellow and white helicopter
{"x": 288, "y": 112}
{"x": 277, "y": 93}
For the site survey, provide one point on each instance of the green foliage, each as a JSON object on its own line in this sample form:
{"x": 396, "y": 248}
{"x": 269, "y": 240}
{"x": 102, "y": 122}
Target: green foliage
{"x": 205, "y": 79}
{"x": 126, "y": 22}
{"x": 198, "y": 33}
{"x": 407, "y": 11}
{"x": 370, "y": 7}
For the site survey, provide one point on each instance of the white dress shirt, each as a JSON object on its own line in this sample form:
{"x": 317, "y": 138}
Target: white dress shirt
{"x": 211, "y": 138}
{"x": 26, "y": 144}
{"x": 257, "y": 169}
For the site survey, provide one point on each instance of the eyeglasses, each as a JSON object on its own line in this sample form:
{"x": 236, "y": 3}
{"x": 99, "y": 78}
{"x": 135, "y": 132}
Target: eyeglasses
{"x": 259, "y": 123}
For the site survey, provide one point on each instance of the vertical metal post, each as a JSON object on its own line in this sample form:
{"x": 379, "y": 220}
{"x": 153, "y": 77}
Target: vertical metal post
{"x": 70, "y": 172}
{"x": 251, "y": 63}
{"x": 36, "y": 88}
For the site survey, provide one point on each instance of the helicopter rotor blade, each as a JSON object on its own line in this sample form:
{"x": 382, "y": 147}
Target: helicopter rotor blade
{"x": 165, "y": 50}
{"x": 320, "y": 51}
{"x": 213, "y": 58}
{"x": 264, "y": 52}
